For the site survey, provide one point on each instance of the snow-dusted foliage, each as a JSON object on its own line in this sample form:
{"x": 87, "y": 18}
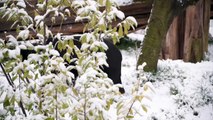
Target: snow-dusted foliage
{"x": 41, "y": 87}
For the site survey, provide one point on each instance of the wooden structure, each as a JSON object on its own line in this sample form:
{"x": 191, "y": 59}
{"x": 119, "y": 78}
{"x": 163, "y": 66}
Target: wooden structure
{"x": 187, "y": 37}
{"x": 140, "y": 11}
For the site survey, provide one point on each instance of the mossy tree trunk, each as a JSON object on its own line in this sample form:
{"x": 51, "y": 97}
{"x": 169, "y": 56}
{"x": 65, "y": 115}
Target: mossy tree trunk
{"x": 187, "y": 37}
{"x": 163, "y": 13}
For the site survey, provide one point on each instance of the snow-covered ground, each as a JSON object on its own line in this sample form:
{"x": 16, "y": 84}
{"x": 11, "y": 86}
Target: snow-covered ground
{"x": 184, "y": 91}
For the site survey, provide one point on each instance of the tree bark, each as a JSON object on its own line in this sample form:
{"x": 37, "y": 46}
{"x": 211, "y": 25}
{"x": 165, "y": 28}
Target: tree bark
{"x": 160, "y": 19}
{"x": 163, "y": 13}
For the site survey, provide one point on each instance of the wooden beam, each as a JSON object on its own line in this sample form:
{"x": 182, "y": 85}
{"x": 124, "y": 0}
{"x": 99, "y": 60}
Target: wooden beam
{"x": 140, "y": 11}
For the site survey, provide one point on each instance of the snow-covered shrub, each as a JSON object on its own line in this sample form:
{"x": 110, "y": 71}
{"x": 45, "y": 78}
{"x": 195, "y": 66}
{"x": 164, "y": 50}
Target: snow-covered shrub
{"x": 41, "y": 87}
{"x": 166, "y": 72}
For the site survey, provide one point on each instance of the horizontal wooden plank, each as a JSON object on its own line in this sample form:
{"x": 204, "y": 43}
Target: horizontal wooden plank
{"x": 130, "y": 10}
{"x": 76, "y": 28}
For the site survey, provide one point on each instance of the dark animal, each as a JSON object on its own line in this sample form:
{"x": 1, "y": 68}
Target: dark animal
{"x": 114, "y": 59}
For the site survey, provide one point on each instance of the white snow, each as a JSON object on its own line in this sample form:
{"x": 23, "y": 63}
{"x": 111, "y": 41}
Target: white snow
{"x": 21, "y": 3}
{"x": 211, "y": 27}
{"x": 123, "y": 2}
{"x": 193, "y": 83}
{"x": 118, "y": 13}
{"x": 137, "y": 36}
{"x": 183, "y": 90}
{"x": 24, "y": 34}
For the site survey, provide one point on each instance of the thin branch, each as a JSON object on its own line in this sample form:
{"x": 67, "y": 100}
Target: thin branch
{"x": 56, "y": 112}
{"x": 22, "y": 108}
{"x": 130, "y": 107}
{"x": 7, "y": 77}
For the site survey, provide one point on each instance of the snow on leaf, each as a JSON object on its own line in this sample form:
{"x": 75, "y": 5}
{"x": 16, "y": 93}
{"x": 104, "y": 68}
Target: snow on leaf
{"x": 120, "y": 14}
{"x": 54, "y": 52}
{"x": 22, "y": 47}
{"x": 24, "y": 34}
{"x": 12, "y": 40}
{"x": 14, "y": 53}
{"x": 132, "y": 19}
{"x": 21, "y": 3}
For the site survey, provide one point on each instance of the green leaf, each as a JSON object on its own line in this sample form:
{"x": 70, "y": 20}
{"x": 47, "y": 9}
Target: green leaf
{"x": 108, "y": 5}
{"x": 29, "y": 107}
{"x": 114, "y": 39}
{"x": 71, "y": 43}
{"x": 12, "y": 111}
{"x": 144, "y": 108}
{"x": 62, "y": 89}
{"x": 109, "y": 103}
{"x": 125, "y": 29}
{"x": 75, "y": 117}
{"x": 119, "y": 106}
{"x": 26, "y": 73}
{"x": 75, "y": 91}
{"x": 60, "y": 44}
{"x": 6, "y": 102}
{"x": 90, "y": 113}
{"x": 145, "y": 87}
{"x": 130, "y": 116}
{"x": 120, "y": 31}
{"x": 14, "y": 77}
{"x": 102, "y": 27}
{"x": 100, "y": 2}
{"x": 67, "y": 57}
{"x": 93, "y": 21}
{"x": 80, "y": 60}
{"x": 49, "y": 118}
{"x": 36, "y": 76}
{"x": 64, "y": 106}
{"x": 83, "y": 39}
{"x": 12, "y": 100}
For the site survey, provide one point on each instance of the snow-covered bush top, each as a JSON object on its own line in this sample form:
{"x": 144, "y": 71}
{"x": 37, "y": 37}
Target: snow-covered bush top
{"x": 41, "y": 87}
